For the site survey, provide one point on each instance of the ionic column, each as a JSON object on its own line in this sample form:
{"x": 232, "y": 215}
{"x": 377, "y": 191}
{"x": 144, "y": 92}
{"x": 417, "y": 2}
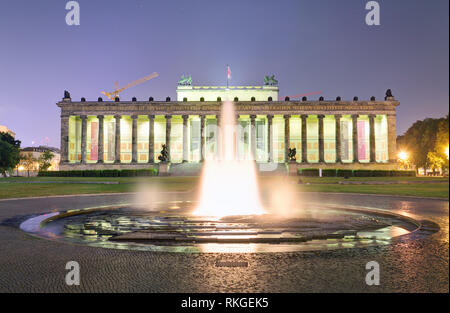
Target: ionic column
{"x": 168, "y": 131}
{"x": 287, "y": 137}
{"x": 185, "y": 139}
{"x": 253, "y": 136}
{"x": 355, "y": 137}
{"x": 65, "y": 138}
{"x": 83, "y": 138}
{"x": 202, "y": 137}
{"x": 134, "y": 139}
{"x": 151, "y": 139}
{"x": 100, "y": 138}
{"x": 117, "y": 139}
{"x": 304, "y": 139}
{"x": 337, "y": 119}
{"x": 269, "y": 137}
{"x": 321, "y": 140}
{"x": 372, "y": 138}
{"x": 392, "y": 137}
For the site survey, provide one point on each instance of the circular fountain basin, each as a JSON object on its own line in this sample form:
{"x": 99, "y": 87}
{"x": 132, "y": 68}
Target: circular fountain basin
{"x": 171, "y": 227}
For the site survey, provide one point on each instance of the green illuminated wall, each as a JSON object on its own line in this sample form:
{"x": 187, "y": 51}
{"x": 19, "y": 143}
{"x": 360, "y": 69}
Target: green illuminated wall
{"x": 92, "y": 139}
{"x": 211, "y": 136}
{"x": 160, "y": 135}
{"x": 381, "y": 138}
{"x": 176, "y": 139}
{"x": 74, "y": 139}
{"x": 109, "y": 144}
{"x": 194, "y": 138}
{"x": 278, "y": 138}
{"x": 261, "y": 138}
{"x": 346, "y": 138}
{"x": 142, "y": 139}
{"x": 312, "y": 140}
{"x": 295, "y": 140}
{"x": 329, "y": 136}
{"x": 243, "y": 137}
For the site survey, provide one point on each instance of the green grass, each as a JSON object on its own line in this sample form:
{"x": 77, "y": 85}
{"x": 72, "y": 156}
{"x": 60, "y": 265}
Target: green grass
{"x": 12, "y": 188}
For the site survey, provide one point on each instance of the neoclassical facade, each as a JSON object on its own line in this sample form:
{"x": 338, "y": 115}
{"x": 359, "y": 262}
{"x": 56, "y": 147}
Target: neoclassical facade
{"x": 130, "y": 134}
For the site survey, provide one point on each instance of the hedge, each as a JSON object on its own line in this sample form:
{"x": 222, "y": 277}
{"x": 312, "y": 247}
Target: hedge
{"x": 309, "y": 172}
{"x": 314, "y": 172}
{"x": 100, "y": 173}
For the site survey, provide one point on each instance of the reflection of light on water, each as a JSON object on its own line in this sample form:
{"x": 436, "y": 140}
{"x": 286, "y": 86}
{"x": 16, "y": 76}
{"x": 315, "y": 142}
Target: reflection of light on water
{"x": 384, "y": 233}
{"x": 229, "y": 186}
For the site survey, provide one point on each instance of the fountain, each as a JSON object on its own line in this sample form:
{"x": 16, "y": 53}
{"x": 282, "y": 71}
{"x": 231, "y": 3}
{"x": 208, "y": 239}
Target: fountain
{"x": 227, "y": 175}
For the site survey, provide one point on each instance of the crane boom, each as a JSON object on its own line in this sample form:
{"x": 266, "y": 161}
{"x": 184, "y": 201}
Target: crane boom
{"x": 113, "y": 94}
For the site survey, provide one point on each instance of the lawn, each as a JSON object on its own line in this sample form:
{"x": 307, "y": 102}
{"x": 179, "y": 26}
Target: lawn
{"x": 14, "y": 187}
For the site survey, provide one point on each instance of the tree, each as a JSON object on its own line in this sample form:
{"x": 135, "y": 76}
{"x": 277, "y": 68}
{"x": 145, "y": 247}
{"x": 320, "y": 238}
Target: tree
{"x": 9, "y": 152}
{"x": 442, "y": 142}
{"x": 435, "y": 161}
{"x": 420, "y": 139}
{"x": 28, "y": 161}
{"x": 45, "y": 160}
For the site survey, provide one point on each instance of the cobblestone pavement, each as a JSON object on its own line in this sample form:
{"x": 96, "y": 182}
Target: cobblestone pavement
{"x": 29, "y": 264}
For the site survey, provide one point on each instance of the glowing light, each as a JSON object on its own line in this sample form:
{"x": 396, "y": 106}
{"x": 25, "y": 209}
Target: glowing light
{"x": 229, "y": 186}
{"x": 403, "y": 156}
{"x": 446, "y": 152}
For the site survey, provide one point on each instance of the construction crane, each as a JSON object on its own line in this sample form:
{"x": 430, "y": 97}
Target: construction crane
{"x": 113, "y": 94}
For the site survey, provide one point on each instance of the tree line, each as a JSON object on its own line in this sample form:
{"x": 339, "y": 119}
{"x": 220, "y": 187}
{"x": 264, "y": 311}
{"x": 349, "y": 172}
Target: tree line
{"x": 11, "y": 158}
{"x": 426, "y": 143}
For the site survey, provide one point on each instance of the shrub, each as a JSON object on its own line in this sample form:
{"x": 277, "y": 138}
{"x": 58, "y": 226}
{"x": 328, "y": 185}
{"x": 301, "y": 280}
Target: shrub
{"x": 329, "y": 173}
{"x": 100, "y": 173}
{"x": 344, "y": 173}
{"x": 309, "y": 172}
{"x": 403, "y": 173}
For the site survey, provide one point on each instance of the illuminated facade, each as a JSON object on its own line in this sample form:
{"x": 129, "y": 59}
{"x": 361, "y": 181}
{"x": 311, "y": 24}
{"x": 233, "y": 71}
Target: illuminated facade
{"x": 130, "y": 134}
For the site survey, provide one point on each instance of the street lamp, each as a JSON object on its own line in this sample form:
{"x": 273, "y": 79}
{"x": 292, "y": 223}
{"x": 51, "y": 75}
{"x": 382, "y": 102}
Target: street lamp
{"x": 446, "y": 152}
{"x": 403, "y": 156}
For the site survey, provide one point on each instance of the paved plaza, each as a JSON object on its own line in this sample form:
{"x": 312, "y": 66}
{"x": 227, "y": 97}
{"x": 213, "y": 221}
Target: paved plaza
{"x": 30, "y": 264}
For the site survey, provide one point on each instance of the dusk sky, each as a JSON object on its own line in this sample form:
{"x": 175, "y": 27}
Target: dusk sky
{"x": 310, "y": 45}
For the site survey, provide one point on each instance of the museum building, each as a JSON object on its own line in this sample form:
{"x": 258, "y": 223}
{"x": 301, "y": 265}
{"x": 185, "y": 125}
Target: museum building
{"x": 130, "y": 134}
